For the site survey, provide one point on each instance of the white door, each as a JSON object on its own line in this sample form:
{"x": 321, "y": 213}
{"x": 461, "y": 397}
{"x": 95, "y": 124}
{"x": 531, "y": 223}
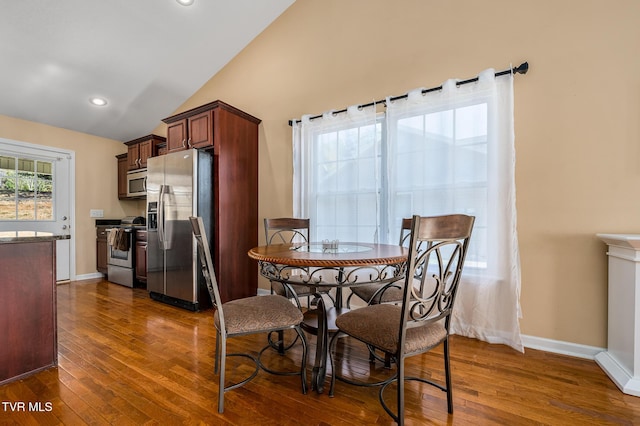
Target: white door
{"x": 36, "y": 195}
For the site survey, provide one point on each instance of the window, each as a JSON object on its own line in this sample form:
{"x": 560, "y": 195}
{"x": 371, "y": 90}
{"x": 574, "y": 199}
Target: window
{"x": 357, "y": 174}
{"x": 439, "y": 166}
{"x": 344, "y": 183}
{"x": 26, "y": 189}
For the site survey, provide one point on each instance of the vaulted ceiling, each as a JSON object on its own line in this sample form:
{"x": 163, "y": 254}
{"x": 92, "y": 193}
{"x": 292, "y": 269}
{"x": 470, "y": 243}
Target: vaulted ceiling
{"x": 144, "y": 57}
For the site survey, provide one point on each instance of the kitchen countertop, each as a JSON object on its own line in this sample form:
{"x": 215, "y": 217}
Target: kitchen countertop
{"x": 29, "y": 236}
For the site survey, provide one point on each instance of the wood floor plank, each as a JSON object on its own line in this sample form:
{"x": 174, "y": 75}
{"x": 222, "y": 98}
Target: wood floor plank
{"x": 125, "y": 359}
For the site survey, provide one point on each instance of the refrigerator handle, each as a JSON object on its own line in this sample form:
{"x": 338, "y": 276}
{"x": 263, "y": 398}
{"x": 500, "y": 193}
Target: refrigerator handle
{"x": 161, "y": 217}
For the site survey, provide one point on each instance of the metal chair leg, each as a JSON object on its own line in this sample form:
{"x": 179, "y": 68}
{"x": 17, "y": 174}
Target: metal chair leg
{"x": 400, "y": 418}
{"x": 217, "y": 355}
{"x": 223, "y": 357}
{"x": 447, "y": 374}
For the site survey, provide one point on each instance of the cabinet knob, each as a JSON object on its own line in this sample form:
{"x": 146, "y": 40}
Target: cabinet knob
{"x": 184, "y": 143}
{"x": 189, "y": 143}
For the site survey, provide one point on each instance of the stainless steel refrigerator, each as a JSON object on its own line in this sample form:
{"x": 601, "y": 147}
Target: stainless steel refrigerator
{"x": 179, "y": 185}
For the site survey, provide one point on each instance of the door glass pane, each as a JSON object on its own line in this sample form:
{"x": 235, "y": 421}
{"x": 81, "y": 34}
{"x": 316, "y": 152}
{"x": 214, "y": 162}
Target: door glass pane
{"x": 44, "y": 203}
{"x": 8, "y": 177}
{"x": 26, "y": 189}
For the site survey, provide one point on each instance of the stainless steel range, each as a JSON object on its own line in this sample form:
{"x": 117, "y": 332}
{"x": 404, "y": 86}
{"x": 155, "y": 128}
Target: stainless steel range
{"x": 121, "y": 250}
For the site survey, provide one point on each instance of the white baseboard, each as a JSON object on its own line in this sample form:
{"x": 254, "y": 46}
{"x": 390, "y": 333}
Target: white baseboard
{"x": 88, "y": 276}
{"x": 625, "y": 381}
{"x": 540, "y": 343}
{"x": 560, "y": 347}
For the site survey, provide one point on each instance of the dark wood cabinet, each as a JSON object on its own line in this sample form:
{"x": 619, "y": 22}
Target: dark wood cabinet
{"x": 193, "y": 129}
{"x": 101, "y": 249}
{"x": 177, "y": 136}
{"x": 200, "y": 127}
{"x": 28, "y": 340}
{"x": 232, "y": 136}
{"x": 139, "y": 150}
{"x": 123, "y": 167}
{"x": 141, "y": 256}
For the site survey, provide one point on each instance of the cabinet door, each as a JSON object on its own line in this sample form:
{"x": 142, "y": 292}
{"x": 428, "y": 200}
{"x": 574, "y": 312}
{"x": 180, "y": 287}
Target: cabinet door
{"x": 146, "y": 151}
{"x": 101, "y": 249}
{"x": 200, "y": 128}
{"x": 133, "y": 157}
{"x": 123, "y": 167}
{"x": 141, "y": 261}
{"x": 177, "y": 136}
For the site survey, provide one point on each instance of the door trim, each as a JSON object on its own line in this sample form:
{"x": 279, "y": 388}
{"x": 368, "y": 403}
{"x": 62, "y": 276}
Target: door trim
{"x": 71, "y": 156}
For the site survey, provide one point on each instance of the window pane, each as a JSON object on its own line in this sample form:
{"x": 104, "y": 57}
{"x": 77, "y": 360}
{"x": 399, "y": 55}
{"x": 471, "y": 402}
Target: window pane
{"x": 44, "y": 203}
{"x": 471, "y": 121}
{"x": 344, "y": 185}
{"x": 440, "y": 124}
{"x": 440, "y": 167}
{"x": 26, "y": 189}
{"x": 8, "y": 183}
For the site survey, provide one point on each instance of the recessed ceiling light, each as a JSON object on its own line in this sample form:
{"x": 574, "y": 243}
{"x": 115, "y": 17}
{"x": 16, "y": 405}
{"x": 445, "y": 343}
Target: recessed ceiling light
{"x": 98, "y": 101}
{"x": 185, "y": 2}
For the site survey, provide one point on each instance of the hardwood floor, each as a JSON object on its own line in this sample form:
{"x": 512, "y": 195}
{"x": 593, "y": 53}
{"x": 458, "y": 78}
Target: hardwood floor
{"x": 127, "y": 360}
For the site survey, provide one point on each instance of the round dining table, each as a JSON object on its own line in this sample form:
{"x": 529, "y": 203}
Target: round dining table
{"x": 325, "y": 265}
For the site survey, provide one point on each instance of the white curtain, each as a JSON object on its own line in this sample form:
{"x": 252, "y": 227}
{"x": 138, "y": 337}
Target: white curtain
{"x": 357, "y": 174}
{"x": 452, "y": 151}
{"x": 336, "y": 174}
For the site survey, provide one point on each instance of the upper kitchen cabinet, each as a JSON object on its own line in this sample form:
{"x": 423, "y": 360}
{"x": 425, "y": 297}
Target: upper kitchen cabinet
{"x": 139, "y": 150}
{"x": 201, "y": 127}
{"x": 123, "y": 167}
{"x": 195, "y": 131}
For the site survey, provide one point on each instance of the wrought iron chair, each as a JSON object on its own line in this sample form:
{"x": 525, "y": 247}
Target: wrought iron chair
{"x": 250, "y": 315}
{"x": 373, "y": 294}
{"x": 437, "y": 251}
{"x": 291, "y": 231}
{"x": 288, "y": 231}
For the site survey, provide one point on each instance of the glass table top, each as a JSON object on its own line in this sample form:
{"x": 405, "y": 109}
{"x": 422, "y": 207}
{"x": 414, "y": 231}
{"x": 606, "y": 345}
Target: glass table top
{"x": 330, "y": 247}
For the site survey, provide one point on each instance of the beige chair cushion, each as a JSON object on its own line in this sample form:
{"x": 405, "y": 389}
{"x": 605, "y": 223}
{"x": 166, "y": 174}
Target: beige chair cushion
{"x": 378, "y": 325}
{"x": 391, "y": 294}
{"x": 259, "y": 313}
{"x": 300, "y": 290}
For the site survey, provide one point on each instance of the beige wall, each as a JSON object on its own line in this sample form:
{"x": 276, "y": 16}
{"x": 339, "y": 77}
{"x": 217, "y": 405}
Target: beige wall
{"x": 96, "y": 178}
{"x": 577, "y": 110}
{"x": 577, "y": 127}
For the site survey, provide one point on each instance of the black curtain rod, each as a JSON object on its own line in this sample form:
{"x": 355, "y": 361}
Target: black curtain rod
{"x": 520, "y": 69}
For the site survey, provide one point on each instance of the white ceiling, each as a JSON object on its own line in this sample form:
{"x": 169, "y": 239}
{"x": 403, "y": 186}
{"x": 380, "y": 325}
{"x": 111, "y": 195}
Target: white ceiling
{"x": 146, "y": 57}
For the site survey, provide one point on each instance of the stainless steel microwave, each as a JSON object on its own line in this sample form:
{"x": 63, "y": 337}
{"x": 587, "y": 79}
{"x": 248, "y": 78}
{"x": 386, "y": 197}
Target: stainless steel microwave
{"x": 137, "y": 183}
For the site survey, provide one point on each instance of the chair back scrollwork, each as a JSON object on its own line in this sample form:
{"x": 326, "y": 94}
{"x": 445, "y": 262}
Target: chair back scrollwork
{"x": 437, "y": 251}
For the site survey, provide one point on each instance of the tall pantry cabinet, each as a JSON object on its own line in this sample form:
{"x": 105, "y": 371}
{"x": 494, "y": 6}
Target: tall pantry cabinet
{"x": 232, "y": 136}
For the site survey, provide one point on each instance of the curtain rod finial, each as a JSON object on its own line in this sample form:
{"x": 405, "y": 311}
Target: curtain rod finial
{"x": 522, "y": 68}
